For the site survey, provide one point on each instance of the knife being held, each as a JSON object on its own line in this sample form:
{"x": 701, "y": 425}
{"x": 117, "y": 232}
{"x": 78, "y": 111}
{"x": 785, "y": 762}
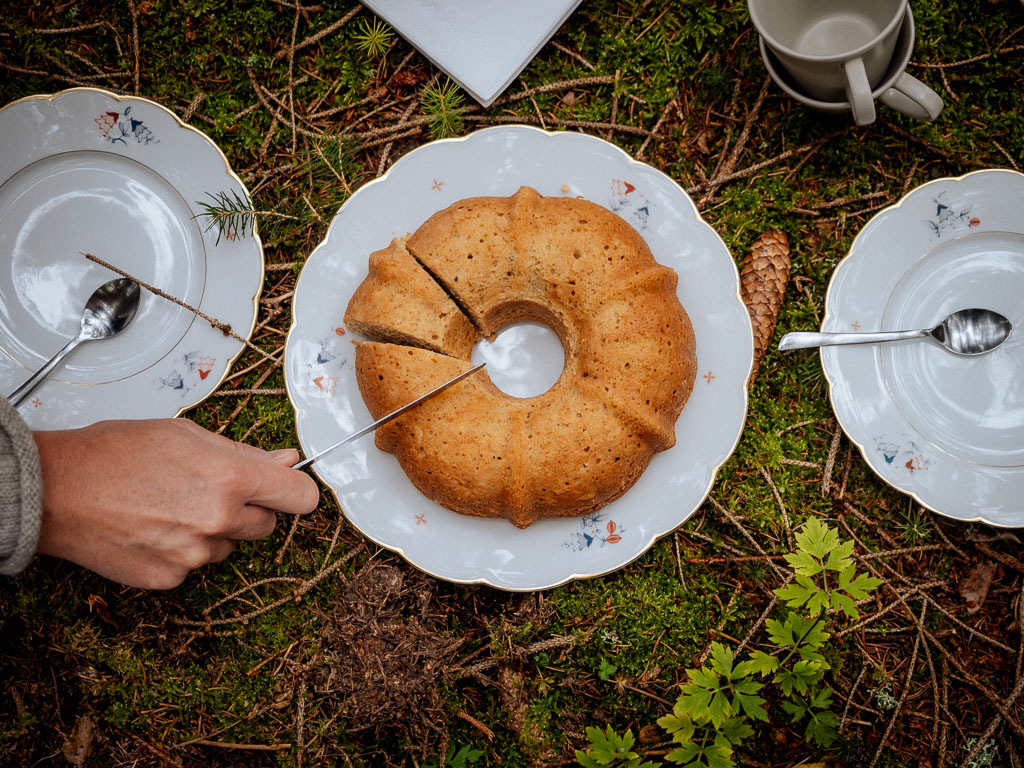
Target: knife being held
{"x": 385, "y": 419}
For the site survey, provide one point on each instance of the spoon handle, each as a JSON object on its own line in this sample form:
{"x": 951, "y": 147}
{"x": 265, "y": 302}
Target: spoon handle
{"x": 806, "y": 340}
{"x": 18, "y": 396}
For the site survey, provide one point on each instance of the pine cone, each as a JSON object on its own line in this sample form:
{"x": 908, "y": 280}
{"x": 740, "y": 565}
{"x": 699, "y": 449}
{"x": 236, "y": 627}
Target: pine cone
{"x": 762, "y": 287}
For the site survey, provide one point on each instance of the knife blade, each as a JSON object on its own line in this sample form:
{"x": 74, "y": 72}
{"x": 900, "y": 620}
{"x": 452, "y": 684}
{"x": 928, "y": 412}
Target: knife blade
{"x": 385, "y": 419}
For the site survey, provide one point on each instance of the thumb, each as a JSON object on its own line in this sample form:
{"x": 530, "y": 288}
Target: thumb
{"x": 284, "y": 456}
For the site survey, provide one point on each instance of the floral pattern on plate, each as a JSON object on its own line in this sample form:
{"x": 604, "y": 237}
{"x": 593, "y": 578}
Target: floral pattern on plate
{"x": 118, "y": 127}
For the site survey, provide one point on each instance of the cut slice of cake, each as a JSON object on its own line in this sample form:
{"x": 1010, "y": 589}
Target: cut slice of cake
{"x": 399, "y": 302}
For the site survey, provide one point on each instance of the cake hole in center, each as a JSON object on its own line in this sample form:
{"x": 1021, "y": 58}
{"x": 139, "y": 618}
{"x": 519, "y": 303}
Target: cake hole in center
{"x": 524, "y": 360}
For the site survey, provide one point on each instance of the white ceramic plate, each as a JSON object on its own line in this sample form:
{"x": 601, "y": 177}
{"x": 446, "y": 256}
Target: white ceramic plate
{"x": 947, "y": 430}
{"x": 86, "y": 171}
{"x": 371, "y": 486}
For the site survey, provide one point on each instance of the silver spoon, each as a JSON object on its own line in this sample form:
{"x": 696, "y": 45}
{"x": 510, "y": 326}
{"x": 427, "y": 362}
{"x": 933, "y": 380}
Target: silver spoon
{"x": 967, "y": 332}
{"x": 110, "y": 308}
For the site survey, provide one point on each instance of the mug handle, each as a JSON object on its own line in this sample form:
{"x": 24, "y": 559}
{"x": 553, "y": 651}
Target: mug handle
{"x": 913, "y": 98}
{"x": 858, "y": 92}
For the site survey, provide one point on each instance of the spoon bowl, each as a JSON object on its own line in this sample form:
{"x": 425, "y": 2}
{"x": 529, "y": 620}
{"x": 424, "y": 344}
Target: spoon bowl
{"x": 972, "y": 331}
{"x": 107, "y": 312}
{"x": 965, "y": 332}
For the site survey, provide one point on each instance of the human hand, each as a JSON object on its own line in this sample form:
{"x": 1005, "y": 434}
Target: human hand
{"x": 145, "y": 502}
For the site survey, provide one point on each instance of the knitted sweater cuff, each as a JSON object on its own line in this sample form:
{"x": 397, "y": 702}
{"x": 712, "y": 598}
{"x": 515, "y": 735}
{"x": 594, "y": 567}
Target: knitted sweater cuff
{"x": 21, "y": 492}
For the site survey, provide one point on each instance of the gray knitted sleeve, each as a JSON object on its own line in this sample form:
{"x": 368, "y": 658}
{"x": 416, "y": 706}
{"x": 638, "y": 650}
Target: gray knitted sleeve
{"x": 21, "y": 491}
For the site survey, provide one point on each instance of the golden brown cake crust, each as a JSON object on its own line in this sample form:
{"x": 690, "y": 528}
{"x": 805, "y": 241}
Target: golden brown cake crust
{"x": 630, "y": 361}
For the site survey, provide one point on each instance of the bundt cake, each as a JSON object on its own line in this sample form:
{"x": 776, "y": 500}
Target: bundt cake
{"x": 630, "y": 356}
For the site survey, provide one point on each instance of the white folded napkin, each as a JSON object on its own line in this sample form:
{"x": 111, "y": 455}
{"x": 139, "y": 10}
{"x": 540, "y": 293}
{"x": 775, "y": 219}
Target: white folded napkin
{"x": 480, "y": 44}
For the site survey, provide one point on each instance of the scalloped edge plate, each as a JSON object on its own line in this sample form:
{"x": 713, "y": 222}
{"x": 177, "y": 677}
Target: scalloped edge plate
{"x": 143, "y": 146}
{"x": 866, "y": 383}
{"x": 369, "y": 484}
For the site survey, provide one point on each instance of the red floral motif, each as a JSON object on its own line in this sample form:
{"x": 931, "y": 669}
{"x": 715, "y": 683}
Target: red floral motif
{"x": 205, "y": 366}
{"x": 613, "y": 537}
{"x": 326, "y": 384}
{"x": 621, "y": 188}
{"x": 106, "y": 121}
{"x": 917, "y": 463}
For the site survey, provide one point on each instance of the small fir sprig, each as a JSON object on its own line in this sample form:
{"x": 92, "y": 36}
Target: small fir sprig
{"x": 915, "y": 529}
{"x": 374, "y": 38}
{"x": 443, "y": 104}
{"x": 233, "y": 215}
{"x": 331, "y": 165}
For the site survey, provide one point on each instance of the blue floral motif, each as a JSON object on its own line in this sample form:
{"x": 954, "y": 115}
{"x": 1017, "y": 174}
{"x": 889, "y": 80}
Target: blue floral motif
{"x": 951, "y": 216}
{"x": 119, "y": 127}
{"x": 189, "y": 370}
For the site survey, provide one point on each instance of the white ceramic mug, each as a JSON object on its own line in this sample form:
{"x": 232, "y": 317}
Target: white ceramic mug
{"x": 897, "y": 90}
{"x": 839, "y": 51}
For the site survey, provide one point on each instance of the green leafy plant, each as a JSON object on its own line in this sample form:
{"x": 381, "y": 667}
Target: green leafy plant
{"x": 464, "y": 757}
{"x": 721, "y": 702}
{"x": 374, "y": 37}
{"x": 819, "y": 553}
{"x": 821, "y": 720}
{"x": 605, "y": 670}
{"x": 443, "y": 104}
{"x": 721, "y": 690}
{"x": 610, "y": 750}
{"x": 712, "y": 715}
{"x": 800, "y": 639}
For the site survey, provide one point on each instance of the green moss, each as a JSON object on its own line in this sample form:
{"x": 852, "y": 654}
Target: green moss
{"x": 640, "y": 620}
